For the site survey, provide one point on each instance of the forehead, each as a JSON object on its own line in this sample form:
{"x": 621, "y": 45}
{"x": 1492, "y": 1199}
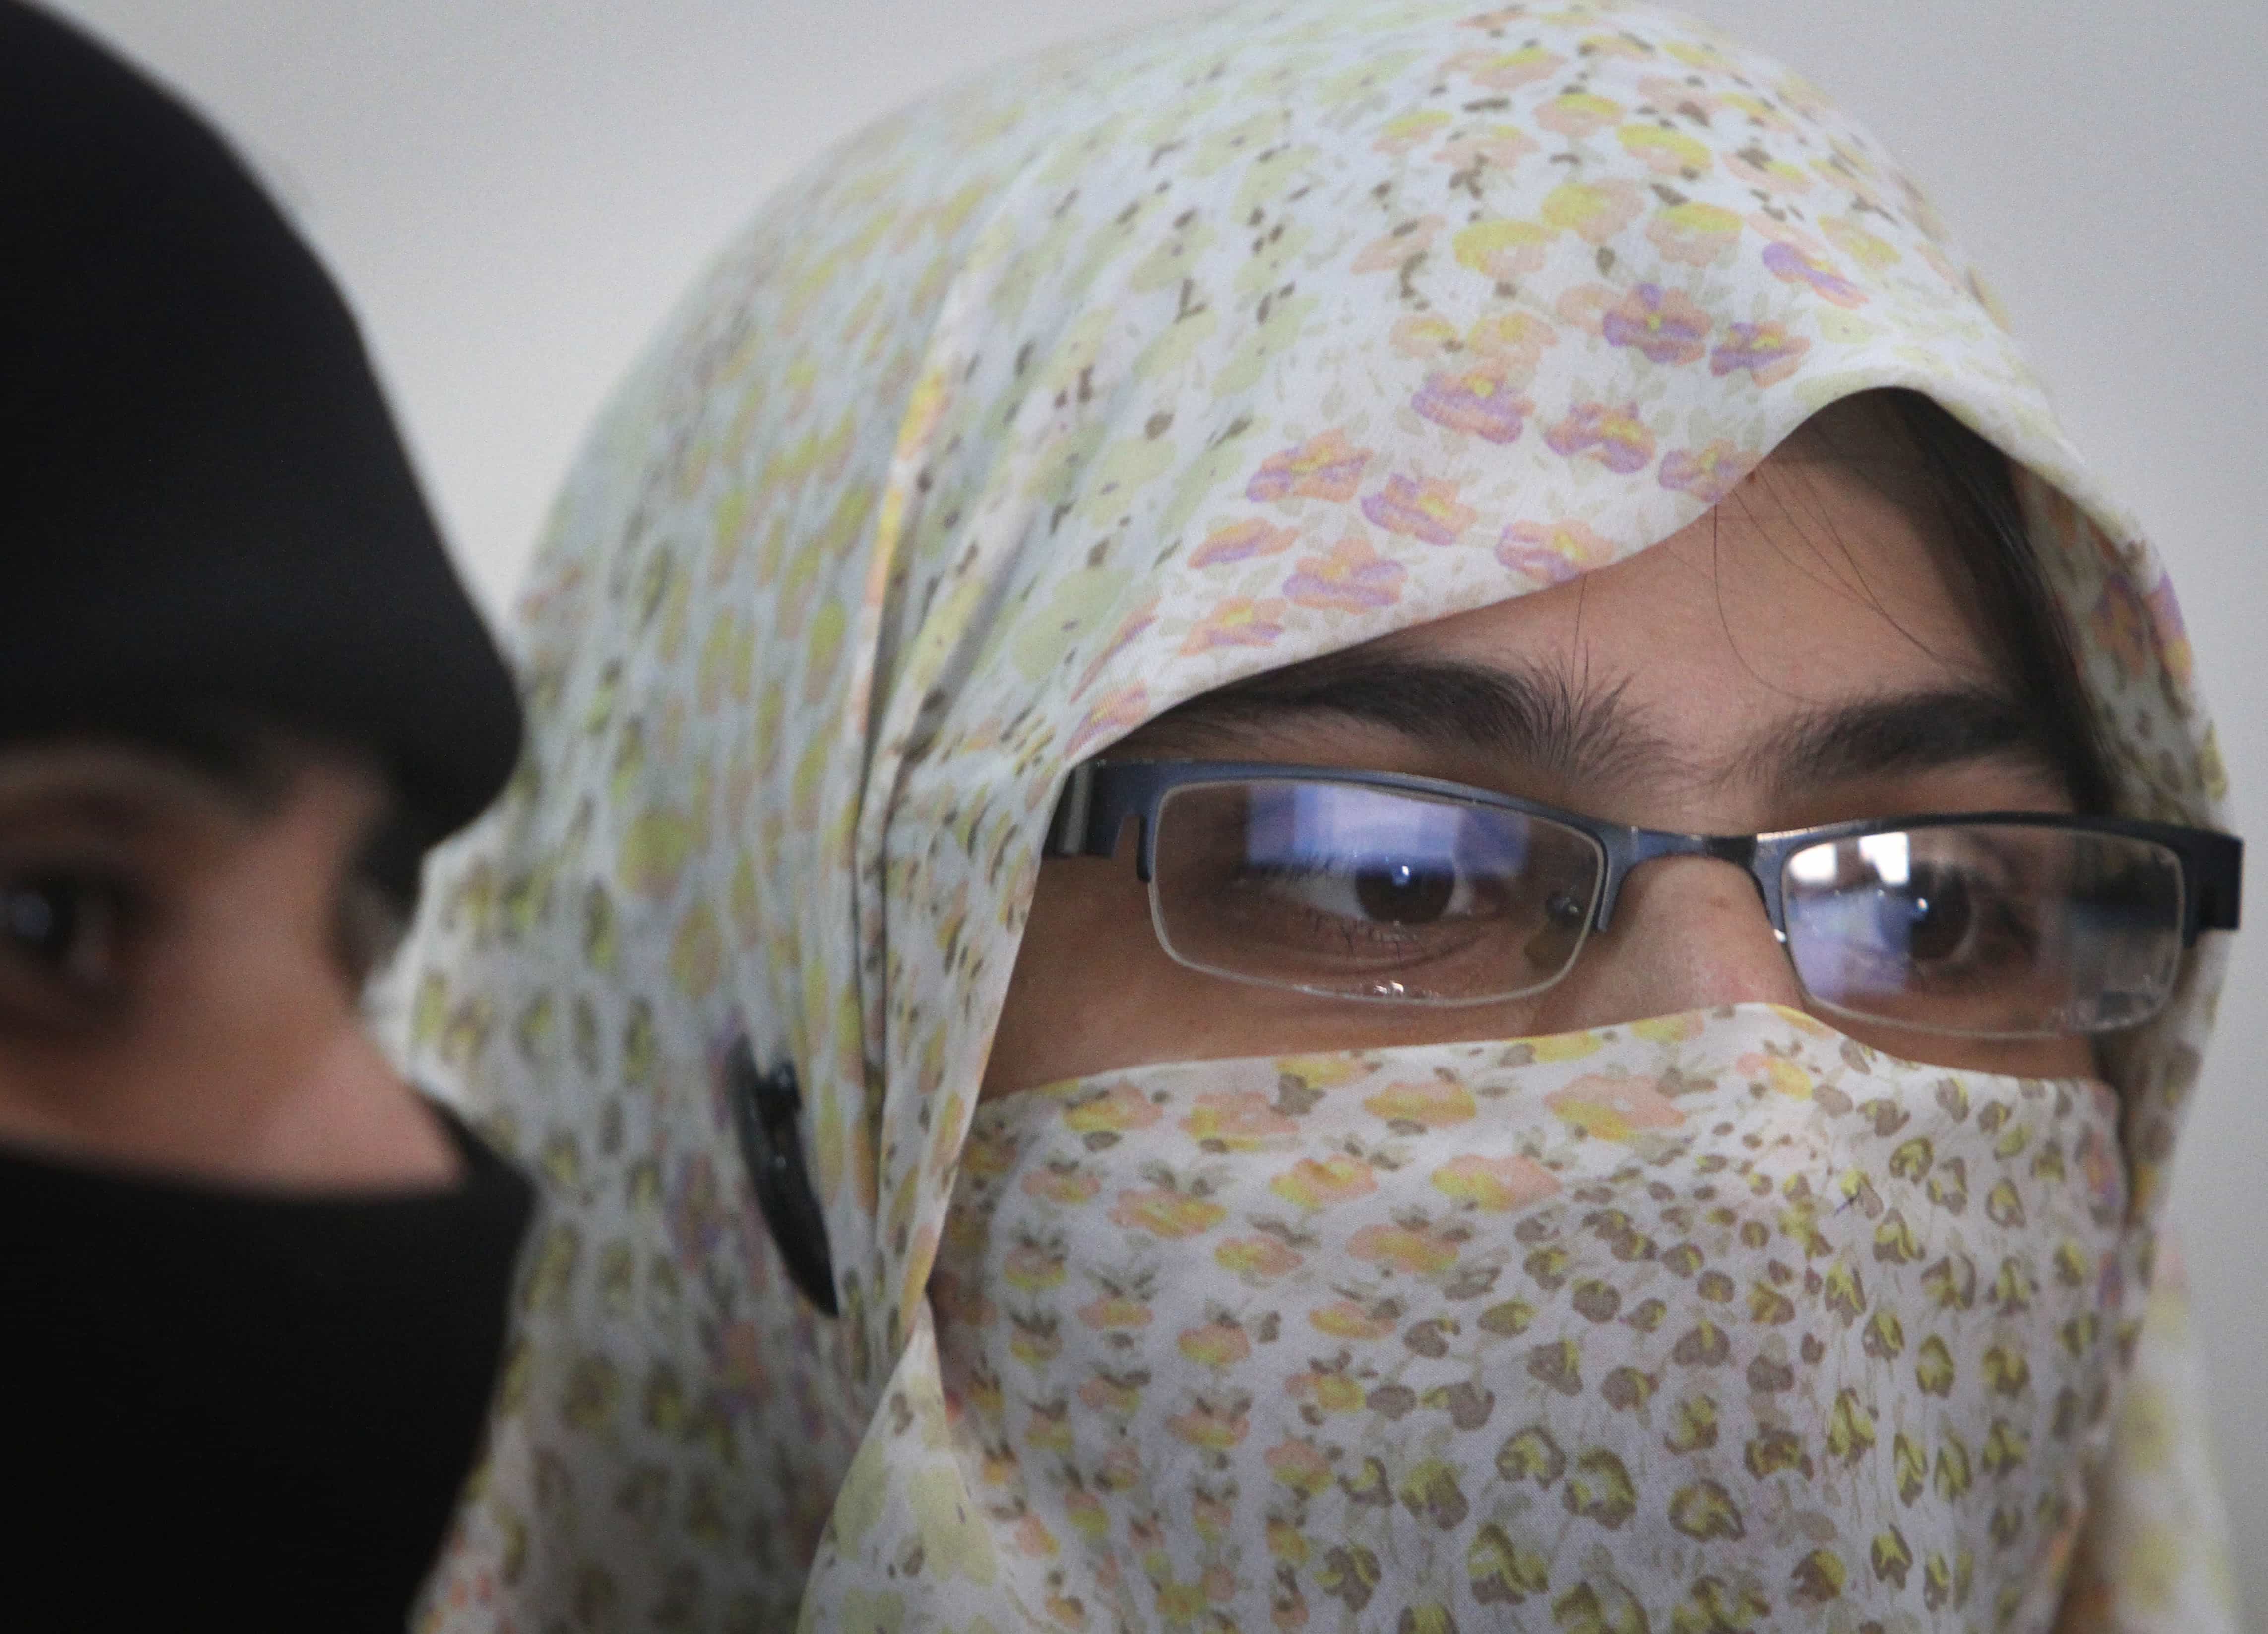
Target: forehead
{"x": 1830, "y": 574}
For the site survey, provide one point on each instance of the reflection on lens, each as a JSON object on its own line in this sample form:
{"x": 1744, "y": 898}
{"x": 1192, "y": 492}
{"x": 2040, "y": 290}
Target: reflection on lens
{"x": 2008, "y": 929}
{"x": 1361, "y": 892}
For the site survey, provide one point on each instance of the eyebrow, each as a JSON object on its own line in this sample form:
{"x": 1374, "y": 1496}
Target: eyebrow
{"x": 1910, "y": 732}
{"x": 1541, "y": 718}
{"x": 1569, "y": 725}
{"x": 119, "y": 791}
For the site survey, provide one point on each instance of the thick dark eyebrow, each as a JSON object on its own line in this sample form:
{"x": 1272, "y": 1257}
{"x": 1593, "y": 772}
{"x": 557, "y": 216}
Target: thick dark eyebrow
{"x": 1566, "y": 726}
{"x": 1541, "y": 719}
{"x": 1902, "y": 735}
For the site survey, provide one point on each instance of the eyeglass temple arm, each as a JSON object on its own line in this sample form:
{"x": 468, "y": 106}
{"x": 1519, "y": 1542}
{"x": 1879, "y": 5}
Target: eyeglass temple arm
{"x": 1088, "y": 818}
{"x": 1067, "y": 832}
{"x": 2220, "y": 859}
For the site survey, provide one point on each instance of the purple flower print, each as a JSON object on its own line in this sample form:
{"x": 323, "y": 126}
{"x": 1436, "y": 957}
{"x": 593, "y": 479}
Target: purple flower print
{"x": 1615, "y": 438}
{"x": 1327, "y": 467}
{"x": 1786, "y": 261}
{"x": 1422, "y": 509}
{"x": 1144, "y": 616}
{"x": 1239, "y": 622}
{"x": 2171, "y": 634}
{"x": 2120, "y": 622}
{"x": 1117, "y": 712}
{"x": 1766, "y": 350}
{"x": 1663, "y": 324}
{"x": 1477, "y": 399}
{"x": 1353, "y": 578}
{"x": 1552, "y": 553}
{"x": 1707, "y": 474}
{"x": 1240, "y": 542}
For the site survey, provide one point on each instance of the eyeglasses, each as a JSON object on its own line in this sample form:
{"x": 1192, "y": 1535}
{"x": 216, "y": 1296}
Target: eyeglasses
{"x": 1376, "y": 886}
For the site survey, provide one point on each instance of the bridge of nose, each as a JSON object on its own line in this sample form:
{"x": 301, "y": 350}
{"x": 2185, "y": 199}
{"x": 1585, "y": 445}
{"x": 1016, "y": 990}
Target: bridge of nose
{"x": 1635, "y": 847}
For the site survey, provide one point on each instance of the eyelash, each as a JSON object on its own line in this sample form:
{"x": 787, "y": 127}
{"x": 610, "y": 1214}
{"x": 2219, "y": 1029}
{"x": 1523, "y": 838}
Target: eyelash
{"x": 1355, "y": 936}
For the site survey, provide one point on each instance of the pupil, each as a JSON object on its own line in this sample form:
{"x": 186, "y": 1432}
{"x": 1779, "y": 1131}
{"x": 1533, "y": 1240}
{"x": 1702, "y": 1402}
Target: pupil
{"x": 37, "y": 920}
{"x": 1402, "y": 894}
{"x": 1937, "y": 912}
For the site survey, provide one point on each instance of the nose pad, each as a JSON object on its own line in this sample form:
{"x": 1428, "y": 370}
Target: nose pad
{"x": 1687, "y": 932}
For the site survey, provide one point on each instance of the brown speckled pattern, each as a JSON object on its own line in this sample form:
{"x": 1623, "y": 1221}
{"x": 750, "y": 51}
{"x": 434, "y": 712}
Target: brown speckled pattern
{"x": 1089, "y": 385}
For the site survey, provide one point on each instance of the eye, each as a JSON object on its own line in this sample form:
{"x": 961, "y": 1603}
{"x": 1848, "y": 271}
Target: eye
{"x": 1403, "y": 893}
{"x": 1384, "y": 892}
{"x": 1970, "y": 919}
{"x": 1936, "y": 916}
{"x": 63, "y": 935}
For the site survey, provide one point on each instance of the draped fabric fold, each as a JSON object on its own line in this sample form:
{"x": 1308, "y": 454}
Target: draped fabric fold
{"x": 1084, "y": 387}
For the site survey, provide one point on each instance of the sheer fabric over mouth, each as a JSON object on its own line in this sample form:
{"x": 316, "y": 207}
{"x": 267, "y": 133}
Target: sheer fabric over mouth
{"x": 976, "y": 451}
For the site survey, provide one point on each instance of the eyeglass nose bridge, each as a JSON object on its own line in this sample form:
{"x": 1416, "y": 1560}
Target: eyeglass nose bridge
{"x": 1627, "y": 847}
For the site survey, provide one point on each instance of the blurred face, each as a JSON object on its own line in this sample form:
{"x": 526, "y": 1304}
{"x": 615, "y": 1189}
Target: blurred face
{"x": 172, "y": 993}
{"x": 1806, "y": 653}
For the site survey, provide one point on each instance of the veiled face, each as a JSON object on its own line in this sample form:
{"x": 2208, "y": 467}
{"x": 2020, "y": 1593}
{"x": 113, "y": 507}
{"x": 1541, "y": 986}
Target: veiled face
{"x": 173, "y": 997}
{"x": 1809, "y": 652}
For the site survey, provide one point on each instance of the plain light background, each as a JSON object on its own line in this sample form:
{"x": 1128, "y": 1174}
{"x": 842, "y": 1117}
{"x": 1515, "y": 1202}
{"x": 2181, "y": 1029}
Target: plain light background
{"x": 512, "y": 192}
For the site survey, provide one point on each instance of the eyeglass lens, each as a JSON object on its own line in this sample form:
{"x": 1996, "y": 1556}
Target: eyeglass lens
{"x": 1990, "y": 929}
{"x": 1342, "y": 890}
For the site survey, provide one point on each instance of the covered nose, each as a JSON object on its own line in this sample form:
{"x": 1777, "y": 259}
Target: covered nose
{"x": 1689, "y": 932}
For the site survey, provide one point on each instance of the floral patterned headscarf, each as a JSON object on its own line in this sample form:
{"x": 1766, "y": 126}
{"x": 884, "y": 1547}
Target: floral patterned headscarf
{"x": 1092, "y": 384}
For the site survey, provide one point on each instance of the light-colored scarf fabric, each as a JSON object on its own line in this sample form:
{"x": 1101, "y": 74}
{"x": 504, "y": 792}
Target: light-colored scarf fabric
{"x": 1082, "y": 389}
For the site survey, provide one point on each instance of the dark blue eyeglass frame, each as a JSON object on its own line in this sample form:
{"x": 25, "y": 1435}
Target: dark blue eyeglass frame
{"x": 1102, "y": 794}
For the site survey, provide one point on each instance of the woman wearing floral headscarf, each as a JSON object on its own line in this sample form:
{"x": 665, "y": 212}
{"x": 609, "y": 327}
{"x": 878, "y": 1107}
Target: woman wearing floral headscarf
{"x": 1439, "y": 475}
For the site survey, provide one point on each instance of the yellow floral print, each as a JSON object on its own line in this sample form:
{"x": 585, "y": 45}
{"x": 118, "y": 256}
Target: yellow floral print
{"x": 1090, "y": 384}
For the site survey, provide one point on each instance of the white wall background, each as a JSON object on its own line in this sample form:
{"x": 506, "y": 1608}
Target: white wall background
{"x": 513, "y": 191}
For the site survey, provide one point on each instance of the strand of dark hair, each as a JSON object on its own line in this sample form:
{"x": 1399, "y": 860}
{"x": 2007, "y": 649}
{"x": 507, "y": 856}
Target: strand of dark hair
{"x": 1979, "y": 487}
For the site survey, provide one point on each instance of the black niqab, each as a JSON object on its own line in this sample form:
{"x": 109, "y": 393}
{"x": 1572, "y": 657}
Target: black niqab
{"x": 206, "y": 497}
